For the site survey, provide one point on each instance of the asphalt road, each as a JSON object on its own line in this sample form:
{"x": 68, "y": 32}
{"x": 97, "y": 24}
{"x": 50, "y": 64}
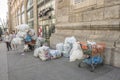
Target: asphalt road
{"x": 16, "y": 65}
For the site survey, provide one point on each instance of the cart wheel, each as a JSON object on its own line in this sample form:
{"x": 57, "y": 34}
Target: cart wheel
{"x": 92, "y": 68}
{"x": 81, "y": 64}
{"x": 102, "y": 63}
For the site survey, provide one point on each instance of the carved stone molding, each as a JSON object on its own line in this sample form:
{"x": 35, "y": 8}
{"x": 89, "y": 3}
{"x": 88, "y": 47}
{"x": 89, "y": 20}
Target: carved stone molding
{"x": 86, "y": 3}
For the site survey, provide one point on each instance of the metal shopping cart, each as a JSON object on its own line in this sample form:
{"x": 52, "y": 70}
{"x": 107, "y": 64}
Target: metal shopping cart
{"x": 93, "y": 55}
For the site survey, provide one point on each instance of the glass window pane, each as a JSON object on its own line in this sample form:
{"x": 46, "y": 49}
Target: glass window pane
{"x": 29, "y": 3}
{"x": 30, "y": 14}
{"x": 31, "y": 24}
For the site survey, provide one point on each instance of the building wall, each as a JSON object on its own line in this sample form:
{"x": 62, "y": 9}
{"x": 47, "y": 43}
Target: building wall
{"x": 93, "y": 20}
{"x": 48, "y": 20}
{"x": 15, "y": 10}
{"x": 26, "y": 11}
{"x": 9, "y": 16}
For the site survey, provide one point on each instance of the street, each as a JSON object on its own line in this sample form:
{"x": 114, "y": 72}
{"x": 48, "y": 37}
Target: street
{"x": 16, "y": 65}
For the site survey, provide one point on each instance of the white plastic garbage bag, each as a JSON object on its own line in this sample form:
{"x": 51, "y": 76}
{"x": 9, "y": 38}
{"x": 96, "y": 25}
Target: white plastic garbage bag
{"x": 67, "y": 48}
{"x": 91, "y": 43}
{"x": 39, "y": 42}
{"x": 43, "y": 57}
{"x": 41, "y": 39}
{"x": 55, "y": 54}
{"x": 70, "y": 40}
{"x": 23, "y": 27}
{"x": 34, "y": 37}
{"x": 16, "y": 40}
{"x": 32, "y": 32}
{"x": 76, "y": 52}
{"x": 44, "y": 53}
{"x": 59, "y": 47}
{"x": 21, "y": 34}
{"x": 36, "y": 52}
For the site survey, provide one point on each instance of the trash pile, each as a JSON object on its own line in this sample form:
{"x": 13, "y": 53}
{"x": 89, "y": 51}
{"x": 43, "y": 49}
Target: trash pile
{"x": 22, "y": 32}
{"x": 69, "y": 49}
{"x": 42, "y": 53}
{"x": 45, "y": 53}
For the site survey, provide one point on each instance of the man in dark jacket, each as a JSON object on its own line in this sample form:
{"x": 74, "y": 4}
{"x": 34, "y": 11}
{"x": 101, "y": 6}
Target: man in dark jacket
{"x": 0, "y": 34}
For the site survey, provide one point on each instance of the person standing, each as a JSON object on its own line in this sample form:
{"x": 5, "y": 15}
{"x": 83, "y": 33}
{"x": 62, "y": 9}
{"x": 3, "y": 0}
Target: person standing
{"x": 7, "y": 40}
{"x": 13, "y": 35}
{"x": 1, "y": 34}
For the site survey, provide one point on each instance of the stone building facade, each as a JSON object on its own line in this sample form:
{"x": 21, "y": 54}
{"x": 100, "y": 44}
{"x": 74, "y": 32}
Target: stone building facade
{"x": 27, "y": 11}
{"x": 93, "y": 20}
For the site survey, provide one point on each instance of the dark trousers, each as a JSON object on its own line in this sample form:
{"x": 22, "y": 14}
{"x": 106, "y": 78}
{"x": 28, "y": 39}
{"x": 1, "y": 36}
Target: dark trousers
{"x": 8, "y": 46}
{"x": 30, "y": 47}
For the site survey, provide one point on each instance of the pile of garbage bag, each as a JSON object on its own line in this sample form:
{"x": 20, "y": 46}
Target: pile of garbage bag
{"x": 23, "y": 27}
{"x": 45, "y": 53}
{"x": 69, "y": 41}
{"x": 22, "y": 32}
{"x": 42, "y": 53}
{"x": 16, "y": 40}
{"x": 70, "y": 49}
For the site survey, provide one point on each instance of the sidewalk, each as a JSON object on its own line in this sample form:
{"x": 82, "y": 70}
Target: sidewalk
{"x": 3, "y": 63}
{"x": 16, "y": 66}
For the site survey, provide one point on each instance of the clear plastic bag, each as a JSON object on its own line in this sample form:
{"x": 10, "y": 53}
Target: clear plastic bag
{"x": 55, "y": 54}
{"x": 23, "y": 27}
{"x": 67, "y": 48}
{"x": 16, "y": 40}
{"x": 70, "y": 40}
{"x": 76, "y": 52}
{"x": 59, "y": 47}
{"x": 44, "y": 53}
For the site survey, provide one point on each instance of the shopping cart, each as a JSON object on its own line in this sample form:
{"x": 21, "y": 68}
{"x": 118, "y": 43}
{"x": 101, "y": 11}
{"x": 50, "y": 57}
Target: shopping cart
{"x": 93, "y": 55}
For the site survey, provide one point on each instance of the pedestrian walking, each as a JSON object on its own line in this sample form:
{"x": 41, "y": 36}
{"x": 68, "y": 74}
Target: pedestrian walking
{"x": 13, "y": 35}
{"x": 7, "y": 40}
